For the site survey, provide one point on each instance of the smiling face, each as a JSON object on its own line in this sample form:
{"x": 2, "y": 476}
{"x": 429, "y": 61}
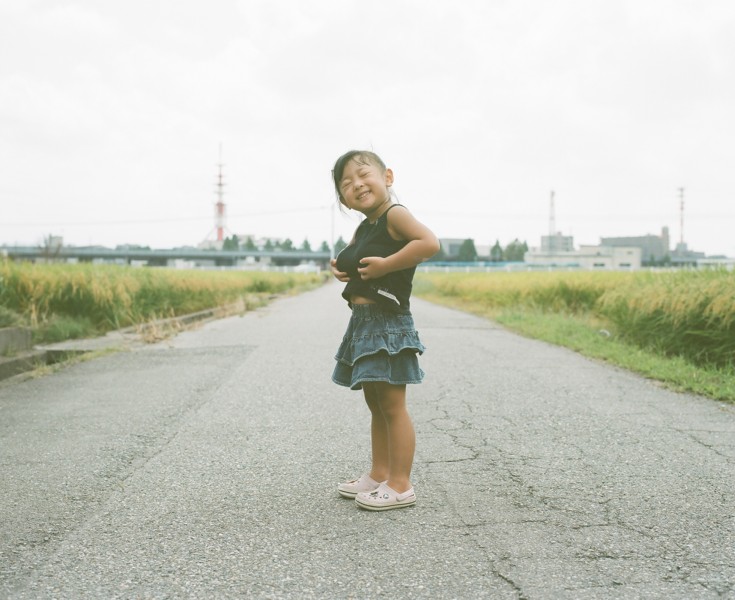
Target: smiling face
{"x": 364, "y": 187}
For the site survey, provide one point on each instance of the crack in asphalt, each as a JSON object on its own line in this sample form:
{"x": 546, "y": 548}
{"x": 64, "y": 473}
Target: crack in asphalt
{"x": 463, "y": 438}
{"x": 690, "y": 434}
{"x": 472, "y": 529}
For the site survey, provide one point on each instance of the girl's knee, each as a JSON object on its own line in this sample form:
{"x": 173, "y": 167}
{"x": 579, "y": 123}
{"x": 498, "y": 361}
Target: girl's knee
{"x": 392, "y": 400}
{"x": 372, "y": 397}
{"x": 392, "y": 412}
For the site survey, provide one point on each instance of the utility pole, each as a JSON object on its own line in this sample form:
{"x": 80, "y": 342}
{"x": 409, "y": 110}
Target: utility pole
{"x": 552, "y": 216}
{"x": 332, "y": 208}
{"x": 681, "y": 216}
{"x": 553, "y": 244}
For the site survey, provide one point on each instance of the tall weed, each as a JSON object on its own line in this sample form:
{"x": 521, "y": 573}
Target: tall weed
{"x": 690, "y": 314}
{"x": 110, "y": 297}
{"x": 686, "y": 313}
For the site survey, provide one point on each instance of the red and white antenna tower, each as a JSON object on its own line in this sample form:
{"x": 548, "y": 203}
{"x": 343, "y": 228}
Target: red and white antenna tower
{"x": 219, "y": 207}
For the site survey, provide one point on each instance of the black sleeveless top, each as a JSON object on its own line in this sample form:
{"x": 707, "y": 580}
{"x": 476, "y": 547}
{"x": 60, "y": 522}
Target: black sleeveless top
{"x": 391, "y": 291}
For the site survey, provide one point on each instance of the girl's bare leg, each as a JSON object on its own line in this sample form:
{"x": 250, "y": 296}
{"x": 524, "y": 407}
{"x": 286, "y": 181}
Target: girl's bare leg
{"x": 378, "y": 434}
{"x": 401, "y": 437}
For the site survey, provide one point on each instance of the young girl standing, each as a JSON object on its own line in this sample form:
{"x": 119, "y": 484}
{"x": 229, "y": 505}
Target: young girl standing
{"x": 379, "y": 351}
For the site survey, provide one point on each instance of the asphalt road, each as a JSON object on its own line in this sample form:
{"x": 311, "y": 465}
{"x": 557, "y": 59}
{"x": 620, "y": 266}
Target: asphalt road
{"x": 206, "y": 466}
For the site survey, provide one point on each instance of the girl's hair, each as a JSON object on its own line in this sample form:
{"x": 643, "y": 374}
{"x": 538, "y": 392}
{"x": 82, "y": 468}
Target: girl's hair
{"x": 361, "y": 157}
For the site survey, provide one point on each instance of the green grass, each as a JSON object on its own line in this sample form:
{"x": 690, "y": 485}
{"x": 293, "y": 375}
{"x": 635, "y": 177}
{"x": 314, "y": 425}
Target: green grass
{"x": 60, "y": 328}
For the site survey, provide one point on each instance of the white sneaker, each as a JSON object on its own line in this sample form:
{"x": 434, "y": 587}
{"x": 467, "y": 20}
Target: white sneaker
{"x": 364, "y": 483}
{"x": 385, "y": 498}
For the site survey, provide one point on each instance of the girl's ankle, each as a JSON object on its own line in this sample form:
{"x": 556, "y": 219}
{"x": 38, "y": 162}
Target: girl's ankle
{"x": 399, "y": 486}
{"x": 381, "y": 476}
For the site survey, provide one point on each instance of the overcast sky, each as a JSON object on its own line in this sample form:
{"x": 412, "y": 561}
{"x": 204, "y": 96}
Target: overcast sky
{"x": 112, "y": 114}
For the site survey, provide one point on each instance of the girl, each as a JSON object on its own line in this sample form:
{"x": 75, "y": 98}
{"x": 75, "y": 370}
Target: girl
{"x": 378, "y": 353}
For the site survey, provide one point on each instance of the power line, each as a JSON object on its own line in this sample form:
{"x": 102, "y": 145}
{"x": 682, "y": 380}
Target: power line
{"x": 164, "y": 219}
{"x": 295, "y": 210}
{"x": 539, "y": 216}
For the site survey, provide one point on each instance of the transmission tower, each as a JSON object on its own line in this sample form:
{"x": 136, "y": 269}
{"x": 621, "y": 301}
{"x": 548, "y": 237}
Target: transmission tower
{"x": 219, "y": 207}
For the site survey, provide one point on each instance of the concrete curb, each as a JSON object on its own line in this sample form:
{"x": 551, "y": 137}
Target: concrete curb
{"x": 28, "y": 359}
{"x": 14, "y": 339}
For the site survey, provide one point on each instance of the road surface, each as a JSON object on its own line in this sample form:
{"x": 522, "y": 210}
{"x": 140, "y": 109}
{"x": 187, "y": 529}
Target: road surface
{"x": 206, "y": 465}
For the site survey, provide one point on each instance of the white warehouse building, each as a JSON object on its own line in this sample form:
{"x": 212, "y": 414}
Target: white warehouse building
{"x": 592, "y": 258}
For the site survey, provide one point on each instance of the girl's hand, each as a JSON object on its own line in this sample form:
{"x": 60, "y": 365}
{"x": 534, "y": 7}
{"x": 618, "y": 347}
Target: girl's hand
{"x": 340, "y": 275}
{"x": 372, "y": 267}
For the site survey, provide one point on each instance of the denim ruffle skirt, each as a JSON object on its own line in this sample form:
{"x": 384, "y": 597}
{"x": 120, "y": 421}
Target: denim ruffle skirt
{"x": 378, "y": 346}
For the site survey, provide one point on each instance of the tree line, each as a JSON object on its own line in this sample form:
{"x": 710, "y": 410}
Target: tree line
{"x": 233, "y": 243}
{"x": 512, "y": 252}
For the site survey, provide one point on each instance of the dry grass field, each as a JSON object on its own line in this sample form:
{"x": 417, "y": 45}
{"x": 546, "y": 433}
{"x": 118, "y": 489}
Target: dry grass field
{"x": 689, "y": 314}
{"x": 62, "y": 301}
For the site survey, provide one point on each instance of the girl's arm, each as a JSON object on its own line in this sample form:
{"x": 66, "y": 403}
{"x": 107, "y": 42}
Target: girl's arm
{"x": 340, "y": 275}
{"x": 422, "y": 245}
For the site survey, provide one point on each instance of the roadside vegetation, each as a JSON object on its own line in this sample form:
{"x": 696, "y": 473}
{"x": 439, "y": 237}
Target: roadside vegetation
{"x": 675, "y": 327}
{"x": 60, "y": 302}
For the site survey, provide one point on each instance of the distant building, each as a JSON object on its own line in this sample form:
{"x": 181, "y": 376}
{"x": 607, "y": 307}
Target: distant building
{"x": 717, "y": 262}
{"x": 557, "y": 243}
{"x": 210, "y": 245}
{"x": 558, "y": 251}
{"x": 587, "y": 257}
{"x": 654, "y": 248}
{"x": 682, "y": 256}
